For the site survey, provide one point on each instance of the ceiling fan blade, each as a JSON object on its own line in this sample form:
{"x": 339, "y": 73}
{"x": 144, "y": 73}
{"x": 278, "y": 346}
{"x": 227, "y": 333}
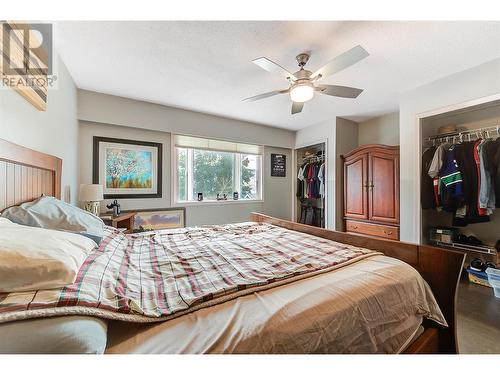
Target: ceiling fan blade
{"x": 297, "y": 107}
{"x": 341, "y": 62}
{"x": 272, "y": 67}
{"x": 340, "y": 91}
{"x": 265, "y": 95}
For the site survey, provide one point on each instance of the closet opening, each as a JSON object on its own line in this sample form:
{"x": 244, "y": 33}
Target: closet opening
{"x": 460, "y": 210}
{"x": 311, "y": 186}
{"x": 460, "y": 181}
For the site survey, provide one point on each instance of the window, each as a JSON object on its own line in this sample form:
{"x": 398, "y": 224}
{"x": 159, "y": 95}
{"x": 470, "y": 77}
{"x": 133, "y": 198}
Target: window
{"x": 215, "y": 167}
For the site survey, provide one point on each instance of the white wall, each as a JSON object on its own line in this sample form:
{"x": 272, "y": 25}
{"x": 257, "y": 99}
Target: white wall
{"x": 324, "y": 131}
{"x": 346, "y": 139}
{"x": 54, "y": 131}
{"x": 469, "y": 85}
{"x": 380, "y": 130}
{"x": 277, "y": 190}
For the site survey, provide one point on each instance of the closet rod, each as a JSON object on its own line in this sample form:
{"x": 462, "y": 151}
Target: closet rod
{"x": 311, "y": 158}
{"x": 486, "y": 130}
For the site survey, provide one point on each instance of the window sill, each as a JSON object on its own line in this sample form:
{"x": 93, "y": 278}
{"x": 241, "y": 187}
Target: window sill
{"x": 215, "y": 202}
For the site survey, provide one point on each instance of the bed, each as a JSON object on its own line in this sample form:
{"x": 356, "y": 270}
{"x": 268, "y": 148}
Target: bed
{"x": 308, "y": 312}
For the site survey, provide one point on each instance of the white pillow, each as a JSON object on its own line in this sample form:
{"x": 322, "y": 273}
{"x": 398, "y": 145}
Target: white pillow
{"x": 52, "y": 213}
{"x": 37, "y": 258}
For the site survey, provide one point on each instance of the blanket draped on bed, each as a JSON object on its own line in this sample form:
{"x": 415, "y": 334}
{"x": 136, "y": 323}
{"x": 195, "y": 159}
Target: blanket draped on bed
{"x": 163, "y": 274}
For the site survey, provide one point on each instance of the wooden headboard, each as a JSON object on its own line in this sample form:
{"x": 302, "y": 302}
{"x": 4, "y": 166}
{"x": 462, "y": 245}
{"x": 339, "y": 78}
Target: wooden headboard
{"x": 27, "y": 174}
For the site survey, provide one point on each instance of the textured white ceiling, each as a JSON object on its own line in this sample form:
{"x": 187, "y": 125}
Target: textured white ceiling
{"x": 206, "y": 66}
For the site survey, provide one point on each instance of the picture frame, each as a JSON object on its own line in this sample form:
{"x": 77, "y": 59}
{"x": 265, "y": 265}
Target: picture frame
{"x": 127, "y": 168}
{"x": 159, "y": 218}
{"x": 278, "y": 165}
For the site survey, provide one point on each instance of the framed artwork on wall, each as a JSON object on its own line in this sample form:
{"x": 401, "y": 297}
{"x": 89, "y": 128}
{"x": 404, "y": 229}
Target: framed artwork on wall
{"x": 162, "y": 218}
{"x": 127, "y": 168}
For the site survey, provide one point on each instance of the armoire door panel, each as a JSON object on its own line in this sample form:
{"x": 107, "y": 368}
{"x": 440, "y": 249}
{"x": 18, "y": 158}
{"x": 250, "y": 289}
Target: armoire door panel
{"x": 383, "y": 182}
{"x": 355, "y": 194}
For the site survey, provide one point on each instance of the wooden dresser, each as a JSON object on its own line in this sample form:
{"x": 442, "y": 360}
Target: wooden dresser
{"x": 371, "y": 191}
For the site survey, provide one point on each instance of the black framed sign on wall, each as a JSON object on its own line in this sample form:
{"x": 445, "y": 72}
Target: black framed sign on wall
{"x": 278, "y": 165}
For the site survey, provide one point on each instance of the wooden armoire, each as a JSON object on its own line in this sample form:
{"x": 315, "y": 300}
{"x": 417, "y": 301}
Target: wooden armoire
{"x": 371, "y": 191}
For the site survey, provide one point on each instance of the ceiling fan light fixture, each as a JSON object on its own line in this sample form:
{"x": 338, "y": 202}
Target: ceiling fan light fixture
{"x": 302, "y": 93}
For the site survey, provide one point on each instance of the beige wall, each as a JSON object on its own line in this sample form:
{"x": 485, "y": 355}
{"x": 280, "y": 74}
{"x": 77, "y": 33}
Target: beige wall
{"x": 87, "y": 130}
{"x": 381, "y": 130}
{"x": 109, "y": 109}
{"x": 118, "y": 117}
{"x": 277, "y": 191}
{"x": 346, "y": 140}
{"x": 54, "y": 131}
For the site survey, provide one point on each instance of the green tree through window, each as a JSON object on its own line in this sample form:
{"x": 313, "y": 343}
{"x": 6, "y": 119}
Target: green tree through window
{"x": 248, "y": 177}
{"x": 216, "y": 172}
{"x": 213, "y": 173}
{"x": 182, "y": 173}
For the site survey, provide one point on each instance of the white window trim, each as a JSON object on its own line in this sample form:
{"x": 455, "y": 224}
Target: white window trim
{"x": 174, "y": 202}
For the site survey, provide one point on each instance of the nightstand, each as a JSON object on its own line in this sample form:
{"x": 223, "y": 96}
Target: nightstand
{"x": 124, "y": 220}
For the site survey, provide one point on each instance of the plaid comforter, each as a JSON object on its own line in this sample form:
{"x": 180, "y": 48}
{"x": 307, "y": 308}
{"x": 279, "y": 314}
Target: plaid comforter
{"x": 163, "y": 274}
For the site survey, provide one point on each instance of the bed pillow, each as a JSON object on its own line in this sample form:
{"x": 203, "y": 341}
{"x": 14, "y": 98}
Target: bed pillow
{"x": 37, "y": 258}
{"x": 52, "y": 213}
{"x": 60, "y": 335}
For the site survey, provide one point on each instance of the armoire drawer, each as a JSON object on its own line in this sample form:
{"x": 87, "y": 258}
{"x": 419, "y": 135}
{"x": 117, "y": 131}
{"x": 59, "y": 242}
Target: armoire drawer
{"x": 378, "y": 230}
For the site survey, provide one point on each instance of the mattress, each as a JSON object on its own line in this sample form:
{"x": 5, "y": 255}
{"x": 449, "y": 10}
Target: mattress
{"x": 373, "y": 306}
{"x": 65, "y": 334}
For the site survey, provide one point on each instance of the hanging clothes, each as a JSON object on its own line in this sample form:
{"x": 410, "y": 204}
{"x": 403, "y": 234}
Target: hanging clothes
{"x": 426, "y": 188}
{"x": 437, "y": 160}
{"x": 451, "y": 196}
{"x": 308, "y": 181}
{"x": 481, "y": 211}
{"x": 486, "y": 190}
{"x": 311, "y": 180}
{"x": 464, "y": 155}
{"x": 315, "y": 180}
{"x": 300, "y": 181}
{"x": 321, "y": 177}
{"x": 492, "y": 165}
{"x": 463, "y": 179}
{"x": 434, "y": 168}
{"x": 496, "y": 160}
{"x": 310, "y": 188}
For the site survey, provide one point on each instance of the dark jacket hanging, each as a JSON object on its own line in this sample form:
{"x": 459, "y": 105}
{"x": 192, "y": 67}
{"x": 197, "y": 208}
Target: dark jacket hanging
{"x": 492, "y": 150}
{"x": 464, "y": 155}
{"x": 427, "y": 190}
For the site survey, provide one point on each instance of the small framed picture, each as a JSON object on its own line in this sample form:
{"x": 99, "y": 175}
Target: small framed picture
{"x": 236, "y": 196}
{"x": 156, "y": 219}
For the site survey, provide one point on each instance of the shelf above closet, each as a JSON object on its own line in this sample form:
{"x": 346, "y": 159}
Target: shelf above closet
{"x": 463, "y": 135}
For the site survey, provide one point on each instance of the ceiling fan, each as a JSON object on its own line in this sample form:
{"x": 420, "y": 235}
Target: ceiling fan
{"x": 302, "y": 86}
